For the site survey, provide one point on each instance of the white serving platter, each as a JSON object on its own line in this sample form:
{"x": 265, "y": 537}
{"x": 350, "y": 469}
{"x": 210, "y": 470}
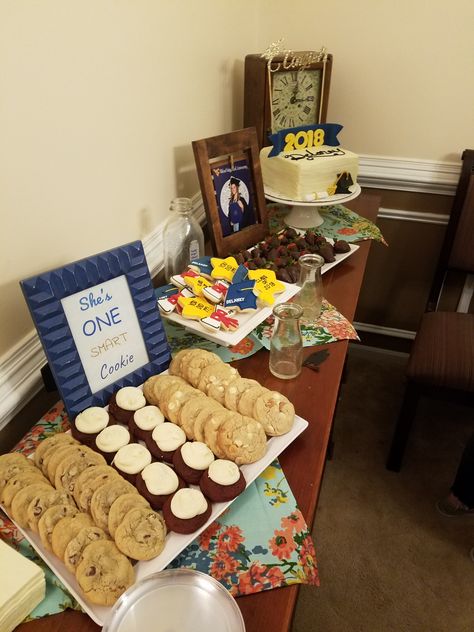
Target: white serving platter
{"x": 175, "y": 542}
{"x": 249, "y": 320}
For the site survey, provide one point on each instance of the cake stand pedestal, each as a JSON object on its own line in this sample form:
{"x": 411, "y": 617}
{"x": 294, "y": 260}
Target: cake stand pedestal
{"x": 304, "y": 215}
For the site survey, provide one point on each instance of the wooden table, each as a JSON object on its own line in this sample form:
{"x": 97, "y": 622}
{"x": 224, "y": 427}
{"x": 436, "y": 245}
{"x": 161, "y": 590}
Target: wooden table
{"x": 314, "y": 396}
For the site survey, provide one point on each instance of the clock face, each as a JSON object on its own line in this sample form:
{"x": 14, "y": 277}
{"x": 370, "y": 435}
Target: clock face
{"x": 295, "y": 98}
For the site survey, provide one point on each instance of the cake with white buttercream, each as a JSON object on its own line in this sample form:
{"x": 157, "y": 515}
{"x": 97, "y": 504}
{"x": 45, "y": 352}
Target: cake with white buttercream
{"x": 130, "y": 460}
{"x": 125, "y": 402}
{"x": 165, "y": 440}
{"x": 110, "y": 440}
{"x": 144, "y": 421}
{"x": 89, "y": 423}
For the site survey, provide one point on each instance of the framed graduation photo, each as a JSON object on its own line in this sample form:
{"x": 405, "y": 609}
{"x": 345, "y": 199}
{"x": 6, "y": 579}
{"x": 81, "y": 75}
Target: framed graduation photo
{"x": 230, "y": 177}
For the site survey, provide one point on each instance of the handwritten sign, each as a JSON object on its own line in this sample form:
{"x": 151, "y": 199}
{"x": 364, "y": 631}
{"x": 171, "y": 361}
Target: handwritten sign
{"x": 106, "y": 331}
{"x": 99, "y": 324}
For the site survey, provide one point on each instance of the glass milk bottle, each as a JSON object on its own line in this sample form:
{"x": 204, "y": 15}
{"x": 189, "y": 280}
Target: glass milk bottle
{"x": 183, "y": 238}
{"x": 310, "y": 297}
{"x": 286, "y": 345}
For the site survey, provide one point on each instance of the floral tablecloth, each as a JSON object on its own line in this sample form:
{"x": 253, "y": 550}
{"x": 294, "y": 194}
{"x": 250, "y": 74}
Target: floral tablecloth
{"x": 261, "y": 542}
{"x": 339, "y": 222}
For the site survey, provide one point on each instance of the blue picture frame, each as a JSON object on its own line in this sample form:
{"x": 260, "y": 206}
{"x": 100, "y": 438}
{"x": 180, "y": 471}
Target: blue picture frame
{"x": 56, "y": 300}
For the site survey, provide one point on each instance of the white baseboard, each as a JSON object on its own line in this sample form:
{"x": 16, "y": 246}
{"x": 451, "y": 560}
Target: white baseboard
{"x": 20, "y": 377}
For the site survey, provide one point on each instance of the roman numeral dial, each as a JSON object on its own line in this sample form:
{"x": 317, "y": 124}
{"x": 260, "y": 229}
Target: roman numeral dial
{"x": 295, "y": 97}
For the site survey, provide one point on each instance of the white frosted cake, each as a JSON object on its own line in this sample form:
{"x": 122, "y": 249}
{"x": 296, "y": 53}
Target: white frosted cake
{"x": 312, "y": 173}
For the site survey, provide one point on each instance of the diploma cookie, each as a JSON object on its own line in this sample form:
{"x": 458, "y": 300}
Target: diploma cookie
{"x": 215, "y": 293}
{"x": 186, "y": 511}
{"x": 242, "y": 440}
{"x": 201, "y": 265}
{"x": 66, "y": 529}
{"x": 220, "y": 319}
{"x": 104, "y": 573}
{"x": 141, "y": 534}
{"x": 75, "y": 547}
{"x": 223, "y": 268}
{"x": 241, "y": 296}
{"x": 275, "y": 412}
{"x": 171, "y": 303}
{"x": 22, "y": 500}
{"x": 103, "y": 498}
{"x": 49, "y": 520}
{"x": 121, "y": 506}
{"x": 235, "y": 389}
{"x": 43, "y": 500}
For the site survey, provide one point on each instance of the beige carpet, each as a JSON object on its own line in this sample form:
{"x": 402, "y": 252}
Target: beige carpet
{"x": 388, "y": 561}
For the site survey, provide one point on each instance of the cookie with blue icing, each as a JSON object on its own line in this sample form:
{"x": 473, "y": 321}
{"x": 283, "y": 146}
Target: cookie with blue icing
{"x": 202, "y": 266}
{"x": 241, "y": 296}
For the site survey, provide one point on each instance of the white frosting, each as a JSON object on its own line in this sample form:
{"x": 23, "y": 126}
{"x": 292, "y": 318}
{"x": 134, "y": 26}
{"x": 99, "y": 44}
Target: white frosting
{"x": 112, "y": 438}
{"x": 148, "y": 417}
{"x": 160, "y": 479}
{"x": 132, "y": 458}
{"x": 168, "y": 437}
{"x": 188, "y": 503}
{"x": 92, "y": 420}
{"x": 224, "y": 472}
{"x": 197, "y": 455}
{"x": 130, "y": 398}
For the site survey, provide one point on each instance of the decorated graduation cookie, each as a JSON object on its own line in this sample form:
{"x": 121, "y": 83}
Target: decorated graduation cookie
{"x": 216, "y": 293}
{"x": 170, "y": 303}
{"x": 220, "y": 319}
{"x": 202, "y": 266}
{"x": 195, "y": 282}
{"x": 195, "y": 308}
{"x": 241, "y": 296}
{"x": 240, "y": 274}
{"x": 266, "y": 285}
{"x": 223, "y": 268}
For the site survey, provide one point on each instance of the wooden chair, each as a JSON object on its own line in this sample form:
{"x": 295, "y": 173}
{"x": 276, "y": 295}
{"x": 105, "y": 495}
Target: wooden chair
{"x": 441, "y": 362}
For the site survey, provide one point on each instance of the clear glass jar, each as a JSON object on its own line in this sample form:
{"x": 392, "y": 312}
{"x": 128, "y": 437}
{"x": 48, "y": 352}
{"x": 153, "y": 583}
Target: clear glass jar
{"x": 183, "y": 238}
{"x": 310, "y": 297}
{"x": 286, "y": 345}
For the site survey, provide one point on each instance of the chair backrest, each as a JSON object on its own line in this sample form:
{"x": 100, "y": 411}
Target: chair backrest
{"x": 457, "y": 251}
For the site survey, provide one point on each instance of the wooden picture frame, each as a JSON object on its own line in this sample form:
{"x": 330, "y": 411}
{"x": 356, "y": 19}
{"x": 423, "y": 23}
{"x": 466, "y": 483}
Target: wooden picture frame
{"x": 229, "y": 165}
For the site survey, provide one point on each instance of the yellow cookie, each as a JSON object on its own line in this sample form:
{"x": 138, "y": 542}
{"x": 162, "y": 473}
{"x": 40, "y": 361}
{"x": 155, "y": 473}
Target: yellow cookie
{"x": 195, "y": 308}
{"x": 196, "y": 284}
{"x": 266, "y": 285}
{"x": 223, "y": 268}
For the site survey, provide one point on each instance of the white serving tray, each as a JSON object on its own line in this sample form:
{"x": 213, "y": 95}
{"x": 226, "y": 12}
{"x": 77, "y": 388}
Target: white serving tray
{"x": 175, "y": 542}
{"x": 249, "y": 320}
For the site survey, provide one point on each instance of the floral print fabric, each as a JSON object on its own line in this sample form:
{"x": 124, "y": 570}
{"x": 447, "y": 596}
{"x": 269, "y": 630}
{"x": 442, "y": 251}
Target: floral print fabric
{"x": 261, "y": 542}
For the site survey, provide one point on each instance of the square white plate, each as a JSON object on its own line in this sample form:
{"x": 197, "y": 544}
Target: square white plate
{"x": 249, "y": 320}
{"x": 175, "y": 542}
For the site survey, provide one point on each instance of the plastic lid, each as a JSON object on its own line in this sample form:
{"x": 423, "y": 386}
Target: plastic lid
{"x": 180, "y": 600}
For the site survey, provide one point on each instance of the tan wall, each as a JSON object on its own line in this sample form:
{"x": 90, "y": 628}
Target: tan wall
{"x": 101, "y": 99}
{"x": 402, "y": 74}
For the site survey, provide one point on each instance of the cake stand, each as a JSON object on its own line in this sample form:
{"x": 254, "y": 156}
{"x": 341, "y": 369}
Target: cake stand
{"x": 305, "y": 215}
